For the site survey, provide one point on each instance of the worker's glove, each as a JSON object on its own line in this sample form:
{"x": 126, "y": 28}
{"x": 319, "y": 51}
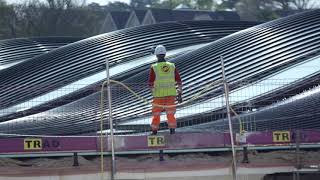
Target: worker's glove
{"x": 179, "y": 97}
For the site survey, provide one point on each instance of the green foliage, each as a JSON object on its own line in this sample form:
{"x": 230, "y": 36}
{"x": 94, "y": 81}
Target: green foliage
{"x": 265, "y": 10}
{"x": 171, "y": 4}
{"x": 141, "y": 4}
{"x": 56, "y": 19}
{"x": 119, "y": 6}
{"x": 227, "y": 4}
{"x": 266, "y": 15}
{"x": 73, "y": 18}
{"x": 7, "y": 21}
{"x": 204, "y": 4}
{"x": 2, "y": 3}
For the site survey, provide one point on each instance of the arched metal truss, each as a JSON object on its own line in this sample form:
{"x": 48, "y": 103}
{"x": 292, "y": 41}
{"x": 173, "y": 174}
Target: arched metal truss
{"x": 250, "y": 55}
{"x": 86, "y": 57}
{"x": 13, "y": 51}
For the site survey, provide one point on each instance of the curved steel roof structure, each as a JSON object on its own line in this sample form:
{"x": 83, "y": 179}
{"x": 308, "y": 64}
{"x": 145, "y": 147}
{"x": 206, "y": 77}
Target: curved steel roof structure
{"x": 13, "y": 51}
{"x": 298, "y": 112}
{"x": 86, "y": 57}
{"x": 253, "y": 55}
{"x": 250, "y": 95}
{"x": 204, "y": 31}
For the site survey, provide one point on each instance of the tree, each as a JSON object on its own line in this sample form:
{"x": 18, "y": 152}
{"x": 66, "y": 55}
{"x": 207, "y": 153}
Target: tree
{"x": 302, "y": 4}
{"x": 56, "y": 18}
{"x": 196, "y": 4}
{"x": 171, "y": 4}
{"x": 119, "y": 6}
{"x": 32, "y": 18}
{"x": 61, "y": 4}
{"x": 283, "y": 4}
{"x": 139, "y": 4}
{"x": 265, "y": 10}
{"x": 204, "y": 4}
{"x": 256, "y": 10}
{"x": 226, "y": 4}
{"x": 294, "y": 4}
{"x": 7, "y": 20}
{"x": 279, "y": 4}
{"x": 142, "y": 4}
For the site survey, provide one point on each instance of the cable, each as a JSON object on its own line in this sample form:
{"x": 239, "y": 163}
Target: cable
{"x": 241, "y": 129}
{"x": 198, "y": 95}
{"x": 158, "y": 105}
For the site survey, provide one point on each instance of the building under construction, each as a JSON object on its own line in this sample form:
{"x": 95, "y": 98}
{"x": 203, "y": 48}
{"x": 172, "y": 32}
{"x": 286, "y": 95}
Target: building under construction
{"x": 247, "y": 87}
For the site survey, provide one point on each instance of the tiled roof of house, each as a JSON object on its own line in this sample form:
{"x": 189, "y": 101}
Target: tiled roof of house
{"x": 227, "y": 15}
{"x": 120, "y": 18}
{"x": 162, "y": 15}
{"x": 140, "y": 13}
{"x": 182, "y": 15}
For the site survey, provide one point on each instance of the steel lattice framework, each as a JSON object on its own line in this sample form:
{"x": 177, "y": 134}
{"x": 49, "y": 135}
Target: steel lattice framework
{"x": 299, "y": 112}
{"x": 250, "y": 55}
{"x": 86, "y": 57}
{"x": 22, "y": 49}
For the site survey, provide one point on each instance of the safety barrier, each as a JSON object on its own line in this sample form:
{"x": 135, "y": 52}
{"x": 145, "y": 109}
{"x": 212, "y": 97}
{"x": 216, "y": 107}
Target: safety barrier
{"x": 60, "y": 144}
{"x": 204, "y": 109}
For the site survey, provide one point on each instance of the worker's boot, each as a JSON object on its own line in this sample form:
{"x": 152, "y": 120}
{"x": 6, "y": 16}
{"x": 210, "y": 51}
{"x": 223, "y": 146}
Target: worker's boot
{"x": 154, "y": 132}
{"x": 172, "y": 130}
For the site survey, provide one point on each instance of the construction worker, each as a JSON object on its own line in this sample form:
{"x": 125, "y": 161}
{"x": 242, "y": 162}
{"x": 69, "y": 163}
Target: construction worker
{"x": 163, "y": 78}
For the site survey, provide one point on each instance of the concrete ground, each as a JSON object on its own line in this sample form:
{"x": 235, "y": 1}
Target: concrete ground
{"x": 193, "y": 166}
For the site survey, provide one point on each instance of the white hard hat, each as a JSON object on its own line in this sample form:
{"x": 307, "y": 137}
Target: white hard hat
{"x": 160, "y": 50}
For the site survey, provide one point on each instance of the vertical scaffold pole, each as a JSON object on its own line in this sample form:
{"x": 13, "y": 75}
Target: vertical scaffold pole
{"x": 226, "y": 89}
{"x": 113, "y": 167}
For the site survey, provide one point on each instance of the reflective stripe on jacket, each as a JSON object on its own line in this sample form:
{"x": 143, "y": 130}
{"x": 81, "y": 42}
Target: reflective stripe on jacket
{"x": 165, "y": 84}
